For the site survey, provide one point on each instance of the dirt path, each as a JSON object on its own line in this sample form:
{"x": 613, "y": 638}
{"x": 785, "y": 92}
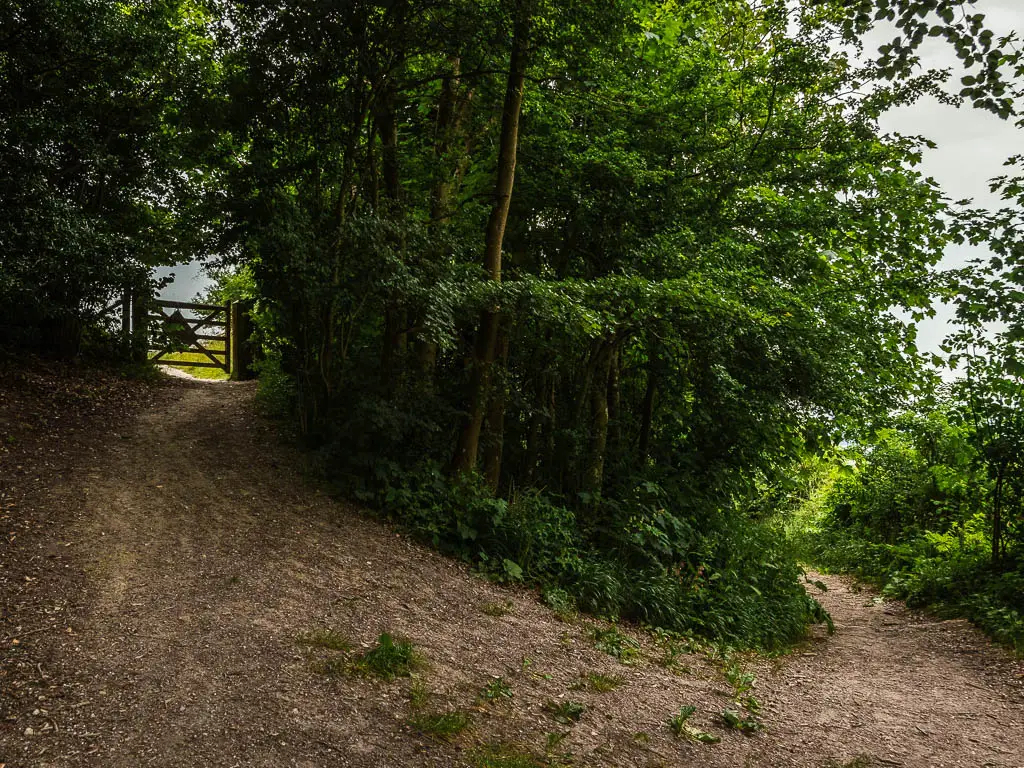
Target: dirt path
{"x": 903, "y": 688}
{"x": 182, "y": 563}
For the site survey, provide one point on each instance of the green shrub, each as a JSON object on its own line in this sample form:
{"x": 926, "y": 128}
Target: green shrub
{"x": 560, "y": 601}
{"x": 565, "y": 712}
{"x": 275, "y": 390}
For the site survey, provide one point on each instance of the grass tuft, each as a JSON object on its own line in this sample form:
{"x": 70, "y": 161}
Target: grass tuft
{"x": 332, "y": 666}
{"x": 497, "y": 609}
{"x": 418, "y": 695}
{"x": 443, "y": 726}
{"x": 503, "y": 756}
{"x": 324, "y": 638}
{"x": 389, "y": 659}
{"x": 598, "y": 682}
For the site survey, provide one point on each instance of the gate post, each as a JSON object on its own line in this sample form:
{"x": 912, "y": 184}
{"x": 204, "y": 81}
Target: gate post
{"x": 241, "y": 348}
{"x": 126, "y": 324}
{"x": 140, "y": 328}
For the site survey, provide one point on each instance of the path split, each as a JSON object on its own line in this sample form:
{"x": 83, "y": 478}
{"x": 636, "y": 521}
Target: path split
{"x": 153, "y": 621}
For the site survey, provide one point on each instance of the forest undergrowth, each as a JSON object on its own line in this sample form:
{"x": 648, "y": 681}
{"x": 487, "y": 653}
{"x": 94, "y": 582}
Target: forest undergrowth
{"x": 723, "y": 578}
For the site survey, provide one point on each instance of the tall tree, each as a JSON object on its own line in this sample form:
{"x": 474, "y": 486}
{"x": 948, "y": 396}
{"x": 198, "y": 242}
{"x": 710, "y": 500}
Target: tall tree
{"x": 466, "y": 448}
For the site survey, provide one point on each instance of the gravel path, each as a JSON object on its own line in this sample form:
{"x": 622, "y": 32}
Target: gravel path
{"x": 180, "y": 563}
{"x": 896, "y": 688}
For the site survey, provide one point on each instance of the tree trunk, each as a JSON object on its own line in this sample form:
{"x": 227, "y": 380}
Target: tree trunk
{"x": 395, "y": 318}
{"x": 586, "y": 381}
{"x": 647, "y": 413}
{"x": 593, "y": 475}
{"x": 494, "y": 436}
{"x": 468, "y": 442}
{"x": 426, "y": 355}
{"x": 395, "y": 341}
{"x": 615, "y": 401}
{"x": 387, "y": 128}
{"x": 449, "y": 119}
{"x": 372, "y": 171}
{"x": 451, "y": 116}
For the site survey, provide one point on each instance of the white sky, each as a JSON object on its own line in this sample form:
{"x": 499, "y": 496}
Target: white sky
{"x": 972, "y": 144}
{"x": 188, "y": 281}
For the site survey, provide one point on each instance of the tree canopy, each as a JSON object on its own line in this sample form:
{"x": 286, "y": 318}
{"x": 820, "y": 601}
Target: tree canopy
{"x": 95, "y": 165}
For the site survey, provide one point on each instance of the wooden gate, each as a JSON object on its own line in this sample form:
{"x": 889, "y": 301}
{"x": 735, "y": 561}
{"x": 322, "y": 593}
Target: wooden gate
{"x": 178, "y": 326}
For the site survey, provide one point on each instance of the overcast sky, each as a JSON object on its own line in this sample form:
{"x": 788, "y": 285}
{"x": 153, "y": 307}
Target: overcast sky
{"x": 972, "y": 146}
{"x": 189, "y": 280}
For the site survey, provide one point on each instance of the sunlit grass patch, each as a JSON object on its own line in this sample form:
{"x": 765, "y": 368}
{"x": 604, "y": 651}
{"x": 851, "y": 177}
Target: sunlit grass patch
{"x": 390, "y": 658}
{"x": 197, "y": 357}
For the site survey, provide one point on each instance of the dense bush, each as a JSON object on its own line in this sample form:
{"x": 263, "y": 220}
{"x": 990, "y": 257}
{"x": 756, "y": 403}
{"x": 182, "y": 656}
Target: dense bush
{"x": 727, "y": 578}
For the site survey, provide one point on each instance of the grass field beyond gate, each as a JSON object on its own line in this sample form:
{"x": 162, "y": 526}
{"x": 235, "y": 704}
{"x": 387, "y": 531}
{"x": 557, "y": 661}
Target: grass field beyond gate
{"x": 197, "y": 357}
